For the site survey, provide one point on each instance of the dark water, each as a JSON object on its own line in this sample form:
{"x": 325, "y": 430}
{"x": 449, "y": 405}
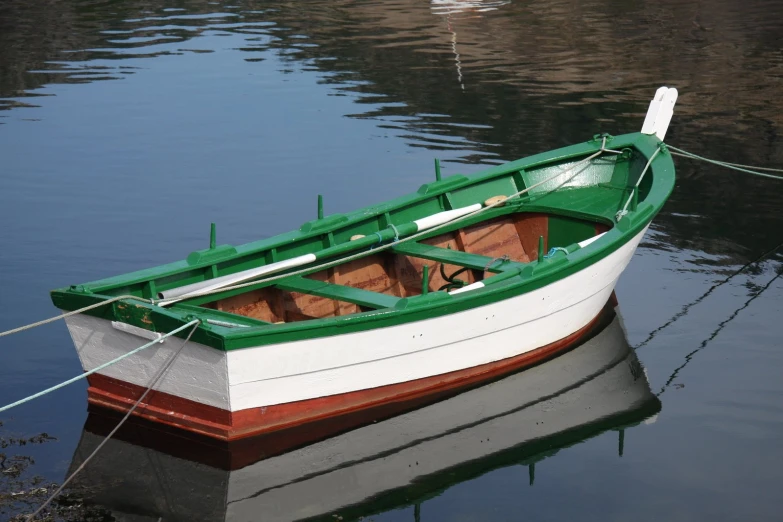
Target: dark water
{"x": 127, "y": 127}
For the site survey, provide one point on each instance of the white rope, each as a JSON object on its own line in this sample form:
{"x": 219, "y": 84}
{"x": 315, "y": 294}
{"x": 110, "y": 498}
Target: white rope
{"x": 155, "y": 380}
{"x": 381, "y": 248}
{"x": 624, "y": 211}
{"x": 97, "y": 369}
{"x": 74, "y": 312}
{"x": 733, "y": 166}
{"x": 768, "y": 169}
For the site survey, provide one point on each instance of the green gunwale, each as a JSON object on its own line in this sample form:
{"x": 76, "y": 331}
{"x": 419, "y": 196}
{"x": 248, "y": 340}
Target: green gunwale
{"x": 597, "y": 200}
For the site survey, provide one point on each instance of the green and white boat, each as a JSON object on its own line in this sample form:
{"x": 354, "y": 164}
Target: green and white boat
{"x": 355, "y": 317}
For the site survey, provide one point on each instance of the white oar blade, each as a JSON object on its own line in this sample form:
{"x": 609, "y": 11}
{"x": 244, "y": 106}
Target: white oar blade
{"x": 660, "y": 112}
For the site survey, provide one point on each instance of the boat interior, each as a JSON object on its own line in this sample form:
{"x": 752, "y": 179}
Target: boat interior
{"x": 567, "y": 201}
{"x": 453, "y": 260}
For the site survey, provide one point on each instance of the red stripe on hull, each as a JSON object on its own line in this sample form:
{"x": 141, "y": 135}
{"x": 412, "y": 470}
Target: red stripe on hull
{"x": 306, "y": 421}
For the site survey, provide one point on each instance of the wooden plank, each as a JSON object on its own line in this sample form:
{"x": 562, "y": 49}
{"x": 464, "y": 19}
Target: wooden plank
{"x": 529, "y": 228}
{"x": 475, "y": 275}
{"x": 259, "y": 304}
{"x": 308, "y": 305}
{"x": 409, "y": 268}
{"x": 373, "y": 274}
{"x": 495, "y": 239}
{"x": 276, "y": 305}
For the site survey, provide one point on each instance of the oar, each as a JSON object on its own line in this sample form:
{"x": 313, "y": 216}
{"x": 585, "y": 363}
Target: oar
{"x": 392, "y": 232}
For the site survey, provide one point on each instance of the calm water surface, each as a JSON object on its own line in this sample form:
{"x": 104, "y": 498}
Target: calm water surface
{"x": 127, "y": 127}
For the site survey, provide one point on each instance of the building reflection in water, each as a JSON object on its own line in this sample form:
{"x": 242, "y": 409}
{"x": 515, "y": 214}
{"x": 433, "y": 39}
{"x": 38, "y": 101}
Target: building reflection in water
{"x": 450, "y": 8}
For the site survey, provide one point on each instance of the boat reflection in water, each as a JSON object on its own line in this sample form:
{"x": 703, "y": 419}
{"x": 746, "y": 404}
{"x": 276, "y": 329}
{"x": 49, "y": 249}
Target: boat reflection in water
{"x": 522, "y": 419}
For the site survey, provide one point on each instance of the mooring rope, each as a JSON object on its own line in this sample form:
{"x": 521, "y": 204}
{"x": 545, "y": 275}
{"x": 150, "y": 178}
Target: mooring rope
{"x": 624, "y": 210}
{"x": 155, "y": 380}
{"x": 74, "y": 312}
{"x": 768, "y": 169}
{"x": 734, "y": 166}
{"x": 98, "y": 368}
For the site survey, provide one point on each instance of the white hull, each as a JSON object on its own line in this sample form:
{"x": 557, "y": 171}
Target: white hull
{"x": 287, "y": 372}
{"x": 600, "y": 379}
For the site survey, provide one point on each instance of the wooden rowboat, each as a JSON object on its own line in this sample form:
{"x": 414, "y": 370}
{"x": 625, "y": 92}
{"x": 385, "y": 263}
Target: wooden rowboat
{"x": 356, "y": 317}
{"x": 524, "y": 419}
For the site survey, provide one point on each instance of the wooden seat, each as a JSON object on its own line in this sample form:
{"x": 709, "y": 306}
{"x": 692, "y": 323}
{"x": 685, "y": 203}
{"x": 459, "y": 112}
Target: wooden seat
{"x": 453, "y": 257}
{"x": 347, "y": 294}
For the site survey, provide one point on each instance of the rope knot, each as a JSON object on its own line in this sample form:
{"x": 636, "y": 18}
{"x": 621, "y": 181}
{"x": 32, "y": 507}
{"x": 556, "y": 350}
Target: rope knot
{"x": 396, "y": 233}
{"x": 380, "y": 240}
{"x": 554, "y": 250}
{"x": 502, "y": 259}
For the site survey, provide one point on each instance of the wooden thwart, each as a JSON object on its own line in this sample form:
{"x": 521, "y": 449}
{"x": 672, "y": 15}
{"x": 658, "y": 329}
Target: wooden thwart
{"x": 452, "y": 257}
{"x": 348, "y": 294}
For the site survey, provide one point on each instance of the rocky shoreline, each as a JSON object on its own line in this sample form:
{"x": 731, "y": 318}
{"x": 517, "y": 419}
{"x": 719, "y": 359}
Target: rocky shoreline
{"x": 22, "y": 490}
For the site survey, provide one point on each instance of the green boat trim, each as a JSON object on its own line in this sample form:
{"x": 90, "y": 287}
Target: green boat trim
{"x": 594, "y": 196}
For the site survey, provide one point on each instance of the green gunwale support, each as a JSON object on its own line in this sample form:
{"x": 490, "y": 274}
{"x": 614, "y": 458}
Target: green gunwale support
{"x": 320, "y": 206}
{"x": 634, "y": 198}
{"x": 425, "y": 280}
{"x": 540, "y": 249}
{"x": 443, "y": 185}
{"x": 519, "y": 180}
{"x": 212, "y": 254}
{"x": 437, "y": 169}
{"x": 149, "y": 290}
